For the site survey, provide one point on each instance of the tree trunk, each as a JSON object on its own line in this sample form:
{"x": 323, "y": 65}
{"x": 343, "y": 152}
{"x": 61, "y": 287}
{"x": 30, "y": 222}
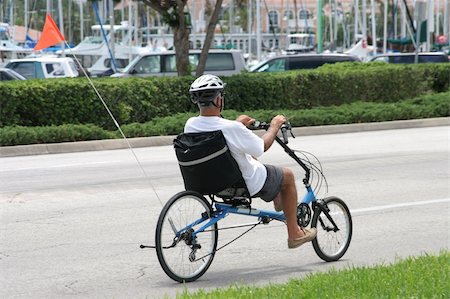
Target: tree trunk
{"x": 208, "y": 39}
{"x": 180, "y": 30}
{"x": 181, "y": 41}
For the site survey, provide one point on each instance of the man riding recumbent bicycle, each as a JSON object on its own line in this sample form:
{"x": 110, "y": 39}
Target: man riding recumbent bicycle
{"x": 217, "y": 158}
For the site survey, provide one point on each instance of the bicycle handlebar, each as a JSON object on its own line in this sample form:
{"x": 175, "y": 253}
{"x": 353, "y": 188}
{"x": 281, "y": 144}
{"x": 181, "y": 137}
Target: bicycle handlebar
{"x": 265, "y": 126}
{"x": 284, "y": 128}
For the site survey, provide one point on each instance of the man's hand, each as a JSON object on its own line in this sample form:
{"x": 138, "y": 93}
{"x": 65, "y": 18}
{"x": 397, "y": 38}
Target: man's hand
{"x": 275, "y": 125}
{"x": 278, "y": 121}
{"x": 246, "y": 120}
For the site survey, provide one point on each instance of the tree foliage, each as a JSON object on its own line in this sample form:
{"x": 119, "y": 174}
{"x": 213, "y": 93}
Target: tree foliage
{"x": 174, "y": 13}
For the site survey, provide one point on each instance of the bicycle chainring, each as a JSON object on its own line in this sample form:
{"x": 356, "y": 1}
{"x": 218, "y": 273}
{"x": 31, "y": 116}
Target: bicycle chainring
{"x": 303, "y": 214}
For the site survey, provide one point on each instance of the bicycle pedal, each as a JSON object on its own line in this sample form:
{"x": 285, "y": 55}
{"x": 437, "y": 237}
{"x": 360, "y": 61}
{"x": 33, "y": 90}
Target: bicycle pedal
{"x": 265, "y": 220}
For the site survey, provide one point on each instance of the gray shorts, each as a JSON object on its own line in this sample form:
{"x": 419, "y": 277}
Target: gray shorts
{"x": 273, "y": 183}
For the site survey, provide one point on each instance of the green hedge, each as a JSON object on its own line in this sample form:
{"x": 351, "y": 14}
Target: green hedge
{"x": 61, "y": 101}
{"x": 16, "y": 135}
{"x": 435, "y": 105}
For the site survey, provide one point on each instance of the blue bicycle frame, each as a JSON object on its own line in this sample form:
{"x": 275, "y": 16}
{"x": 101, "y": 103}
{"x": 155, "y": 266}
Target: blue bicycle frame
{"x": 221, "y": 210}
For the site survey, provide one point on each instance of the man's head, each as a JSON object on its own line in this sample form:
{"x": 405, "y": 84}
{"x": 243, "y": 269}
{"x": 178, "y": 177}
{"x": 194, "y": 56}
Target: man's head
{"x": 207, "y": 91}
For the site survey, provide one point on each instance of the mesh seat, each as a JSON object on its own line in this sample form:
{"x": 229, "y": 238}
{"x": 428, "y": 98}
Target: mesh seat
{"x": 207, "y": 165}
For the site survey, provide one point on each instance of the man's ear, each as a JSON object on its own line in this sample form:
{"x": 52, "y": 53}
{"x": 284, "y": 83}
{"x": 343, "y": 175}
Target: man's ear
{"x": 218, "y": 101}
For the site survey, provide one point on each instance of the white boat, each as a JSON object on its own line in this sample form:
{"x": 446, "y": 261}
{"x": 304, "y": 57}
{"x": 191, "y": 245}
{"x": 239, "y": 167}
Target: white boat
{"x": 94, "y": 54}
{"x": 8, "y": 48}
{"x": 361, "y": 49}
{"x": 300, "y": 42}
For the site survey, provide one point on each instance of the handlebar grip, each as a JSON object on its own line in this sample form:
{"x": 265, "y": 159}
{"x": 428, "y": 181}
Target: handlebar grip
{"x": 285, "y": 137}
{"x": 257, "y": 125}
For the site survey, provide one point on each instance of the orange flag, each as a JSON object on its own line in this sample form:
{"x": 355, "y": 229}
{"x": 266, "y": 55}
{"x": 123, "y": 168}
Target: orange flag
{"x": 50, "y": 35}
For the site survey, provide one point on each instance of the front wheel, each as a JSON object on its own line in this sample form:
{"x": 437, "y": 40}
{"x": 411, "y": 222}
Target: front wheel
{"x": 183, "y": 254}
{"x": 334, "y": 229}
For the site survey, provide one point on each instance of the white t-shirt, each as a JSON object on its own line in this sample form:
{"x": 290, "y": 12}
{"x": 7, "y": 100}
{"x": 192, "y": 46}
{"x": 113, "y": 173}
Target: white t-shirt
{"x": 243, "y": 144}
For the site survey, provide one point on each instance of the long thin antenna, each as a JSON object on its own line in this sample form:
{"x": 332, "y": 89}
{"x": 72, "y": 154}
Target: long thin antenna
{"x": 115, "y": 121}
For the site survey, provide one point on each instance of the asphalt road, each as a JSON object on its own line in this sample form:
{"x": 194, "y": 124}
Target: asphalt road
{"x": 71, "y": 224}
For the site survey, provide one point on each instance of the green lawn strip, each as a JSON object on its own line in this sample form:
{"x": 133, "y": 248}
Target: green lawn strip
{"x": 426, "y": 276}
{"x": 433, "y": 105}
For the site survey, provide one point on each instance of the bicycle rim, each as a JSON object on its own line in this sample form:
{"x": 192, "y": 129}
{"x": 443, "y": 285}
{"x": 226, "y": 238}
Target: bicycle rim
{"x": 181, "y": 211}
{"x": 331, "y": 245}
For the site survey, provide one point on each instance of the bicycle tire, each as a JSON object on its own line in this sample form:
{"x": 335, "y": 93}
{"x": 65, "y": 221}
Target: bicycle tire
{"x": 331, "y": 245}
{"x": 183, "y": 209}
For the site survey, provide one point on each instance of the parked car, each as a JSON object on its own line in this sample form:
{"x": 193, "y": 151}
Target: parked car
{"x": 44, "y": 67}
{"x": 301, "y": 61}
{"x": 8, "y": 75}
{"x": 219, "y": 62}
{"x": 424, "y": 57}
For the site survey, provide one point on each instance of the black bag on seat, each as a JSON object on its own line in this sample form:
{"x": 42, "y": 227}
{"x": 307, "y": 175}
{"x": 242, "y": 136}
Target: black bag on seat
{"x": 206, "y": 163}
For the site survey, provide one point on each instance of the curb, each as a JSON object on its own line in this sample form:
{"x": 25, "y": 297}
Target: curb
{"x": 112, "y": 144}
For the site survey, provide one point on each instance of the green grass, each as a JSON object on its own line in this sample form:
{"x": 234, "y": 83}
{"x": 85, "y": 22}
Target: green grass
{"x": 427, "y": 276}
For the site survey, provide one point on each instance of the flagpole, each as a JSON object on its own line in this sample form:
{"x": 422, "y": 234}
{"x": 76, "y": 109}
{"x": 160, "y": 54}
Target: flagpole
{"x": 116, "y": 123}
{"x": 52, "y": 36}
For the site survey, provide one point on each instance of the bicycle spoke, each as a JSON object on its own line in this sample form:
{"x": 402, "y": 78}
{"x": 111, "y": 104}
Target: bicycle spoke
{"x": 334, "y": 225}
{"x": 183, "y": 215}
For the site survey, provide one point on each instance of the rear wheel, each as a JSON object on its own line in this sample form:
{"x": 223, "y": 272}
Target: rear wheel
{"x": 183, "y": 256}
{"x": 334, "y": 229}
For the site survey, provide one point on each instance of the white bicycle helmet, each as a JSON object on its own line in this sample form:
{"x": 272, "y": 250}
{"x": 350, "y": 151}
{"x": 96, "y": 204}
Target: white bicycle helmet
{"x": 206, "y": 88}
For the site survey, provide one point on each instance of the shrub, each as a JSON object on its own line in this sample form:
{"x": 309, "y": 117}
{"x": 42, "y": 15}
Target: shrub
{"x": 16, "y": 135}
{"x": 130, "y": 100}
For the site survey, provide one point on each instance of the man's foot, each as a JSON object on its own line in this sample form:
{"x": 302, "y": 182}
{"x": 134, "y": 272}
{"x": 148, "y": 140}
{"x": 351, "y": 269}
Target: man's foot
{"x": 277, "y": 204}
{"x": 309, "y": 236}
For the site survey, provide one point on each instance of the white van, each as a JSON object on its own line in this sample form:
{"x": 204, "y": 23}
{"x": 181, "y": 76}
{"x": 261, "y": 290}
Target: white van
{"x": 44, "y": 67}
{"x": 219, "y": 63}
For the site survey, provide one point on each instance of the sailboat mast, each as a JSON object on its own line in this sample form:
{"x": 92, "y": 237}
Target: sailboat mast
{"x": 364, "y": 20}
{"x": 111, "y": 25}
{"x": 438, "y": 16}
{"x": 249, "y": 27}
{"x": 81, "y": 21}
{"x": 26, "y": 17}
{"x": 446, "y": 17}
{"x": 374, "y": 29}
{"x": 61, "y": 25}
{"x": 385, "y": 26}
{"x": 258, "y": 30}
{"x": 356, "y": 29}
{"x": 319, "y": 27}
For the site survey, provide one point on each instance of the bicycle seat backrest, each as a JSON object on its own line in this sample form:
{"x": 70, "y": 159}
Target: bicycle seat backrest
{"x": 207, "y": 165}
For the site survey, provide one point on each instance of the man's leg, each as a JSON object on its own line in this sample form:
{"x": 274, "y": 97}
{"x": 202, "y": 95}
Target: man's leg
{"x": 296, "y": 235}
{"x": 289, "y": 201}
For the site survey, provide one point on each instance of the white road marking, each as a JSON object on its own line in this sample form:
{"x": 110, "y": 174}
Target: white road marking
{"x": 400, "y": 205}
